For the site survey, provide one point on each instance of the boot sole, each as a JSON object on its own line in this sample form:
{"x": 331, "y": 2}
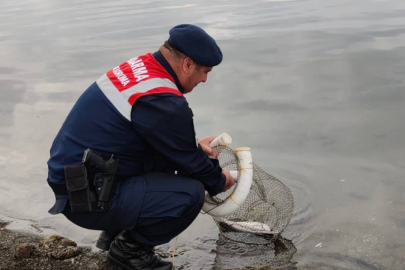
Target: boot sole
{"x": 117, "y": 263}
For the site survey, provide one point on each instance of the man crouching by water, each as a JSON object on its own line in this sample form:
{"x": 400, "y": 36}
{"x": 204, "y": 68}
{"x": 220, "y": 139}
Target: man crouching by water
{"x": 113, "y": 162}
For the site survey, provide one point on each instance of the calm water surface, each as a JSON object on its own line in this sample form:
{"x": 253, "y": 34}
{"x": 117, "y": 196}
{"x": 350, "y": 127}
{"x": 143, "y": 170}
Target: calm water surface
{"x": 315, "y": 88}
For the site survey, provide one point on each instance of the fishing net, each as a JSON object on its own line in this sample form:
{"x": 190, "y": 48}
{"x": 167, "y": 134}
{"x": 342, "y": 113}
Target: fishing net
{"x": 231, "y": 255}
{"x": 264, "y": 214}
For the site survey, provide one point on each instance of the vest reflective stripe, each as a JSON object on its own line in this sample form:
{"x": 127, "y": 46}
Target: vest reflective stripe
{"x": 114, "y": 96}
{"x": 146, "y": 85}
{"x": 121, "y": 88}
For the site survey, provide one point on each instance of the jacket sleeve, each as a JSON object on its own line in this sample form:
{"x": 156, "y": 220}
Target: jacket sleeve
{"x": 166, "y": 123}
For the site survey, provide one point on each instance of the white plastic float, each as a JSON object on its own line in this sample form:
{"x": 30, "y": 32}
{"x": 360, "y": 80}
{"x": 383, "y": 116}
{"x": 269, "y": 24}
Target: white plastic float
{"x": 236, "y": 199}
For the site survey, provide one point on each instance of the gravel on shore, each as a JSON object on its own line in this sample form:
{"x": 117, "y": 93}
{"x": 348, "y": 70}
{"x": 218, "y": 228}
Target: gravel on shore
{"x": 27, "y": 251}
{"x": 22, "y": 251}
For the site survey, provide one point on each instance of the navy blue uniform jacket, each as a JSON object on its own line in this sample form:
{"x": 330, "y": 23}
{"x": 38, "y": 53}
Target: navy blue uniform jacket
{"x": 159, "y": 137}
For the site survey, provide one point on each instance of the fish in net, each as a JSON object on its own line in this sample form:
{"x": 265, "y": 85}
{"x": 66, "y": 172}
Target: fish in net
{"x": 264, "y": 214}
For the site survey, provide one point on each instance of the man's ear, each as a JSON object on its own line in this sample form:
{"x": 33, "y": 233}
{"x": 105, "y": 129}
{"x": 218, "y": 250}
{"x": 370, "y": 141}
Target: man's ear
{"x": 187, "y": 64}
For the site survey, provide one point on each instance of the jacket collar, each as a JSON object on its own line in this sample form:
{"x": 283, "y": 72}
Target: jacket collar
{"x": 160, "y": 58}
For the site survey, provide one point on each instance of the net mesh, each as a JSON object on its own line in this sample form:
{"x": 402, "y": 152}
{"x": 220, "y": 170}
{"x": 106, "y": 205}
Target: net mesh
{"x": 231, "y": 255}
{"x": 266, "y": 211}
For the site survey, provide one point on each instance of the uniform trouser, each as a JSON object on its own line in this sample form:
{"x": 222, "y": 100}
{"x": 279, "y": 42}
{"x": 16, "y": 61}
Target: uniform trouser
{"x": 154, "y": 207}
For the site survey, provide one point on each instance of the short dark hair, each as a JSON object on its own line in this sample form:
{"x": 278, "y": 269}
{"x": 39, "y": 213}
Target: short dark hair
{"x": 179, "y": 55}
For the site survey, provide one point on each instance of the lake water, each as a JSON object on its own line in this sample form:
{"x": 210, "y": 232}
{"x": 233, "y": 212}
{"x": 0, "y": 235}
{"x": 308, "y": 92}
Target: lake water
{"x": 315, "y": 88}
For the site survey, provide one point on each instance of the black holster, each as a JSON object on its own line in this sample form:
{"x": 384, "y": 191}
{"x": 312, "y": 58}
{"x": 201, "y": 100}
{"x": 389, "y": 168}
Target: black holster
{"x": 77, "y": 185}
{"x": 104, "y": 175}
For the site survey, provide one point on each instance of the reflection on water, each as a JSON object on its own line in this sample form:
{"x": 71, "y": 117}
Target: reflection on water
{"x": 315, "y": 88}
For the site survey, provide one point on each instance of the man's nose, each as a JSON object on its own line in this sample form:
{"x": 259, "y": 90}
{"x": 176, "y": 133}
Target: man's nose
{"x": 205, "y": 78}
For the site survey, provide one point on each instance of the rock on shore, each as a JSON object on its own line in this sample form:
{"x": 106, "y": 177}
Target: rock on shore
{"x": 26, "y": 251}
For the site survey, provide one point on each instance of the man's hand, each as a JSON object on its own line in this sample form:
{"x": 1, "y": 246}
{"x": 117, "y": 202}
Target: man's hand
{"x": 205, "y": 145}
{"x": 229, "y": 181}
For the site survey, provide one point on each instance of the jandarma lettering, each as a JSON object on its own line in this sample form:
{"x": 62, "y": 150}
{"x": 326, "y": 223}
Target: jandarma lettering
{"x": 121, "y": 76}
{"x": 138, "y": 68}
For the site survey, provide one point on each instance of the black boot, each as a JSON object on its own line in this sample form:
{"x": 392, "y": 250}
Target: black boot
{"x": 105, "y": 239}
{"x": 125, "y": 253}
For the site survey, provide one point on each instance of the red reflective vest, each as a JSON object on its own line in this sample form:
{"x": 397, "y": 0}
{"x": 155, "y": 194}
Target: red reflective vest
{"x": 137, "y": 77}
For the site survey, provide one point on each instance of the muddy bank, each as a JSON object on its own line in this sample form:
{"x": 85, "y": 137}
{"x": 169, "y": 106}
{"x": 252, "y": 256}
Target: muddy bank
{"x": 26, "y": 251}
{"x": 23, "y": 251}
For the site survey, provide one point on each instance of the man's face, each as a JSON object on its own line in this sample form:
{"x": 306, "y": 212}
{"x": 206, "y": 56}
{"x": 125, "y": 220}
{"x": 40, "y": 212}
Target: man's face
{"x": 196, "y": 74}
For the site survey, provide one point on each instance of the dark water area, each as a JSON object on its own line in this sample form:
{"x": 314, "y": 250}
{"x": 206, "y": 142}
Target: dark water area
{"x": 315, "y": 88}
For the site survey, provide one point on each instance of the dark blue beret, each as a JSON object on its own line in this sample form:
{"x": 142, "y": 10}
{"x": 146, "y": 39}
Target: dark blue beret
{"x": 196, "y": 44}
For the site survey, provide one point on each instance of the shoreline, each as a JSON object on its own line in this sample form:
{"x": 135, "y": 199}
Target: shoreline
{"x": 25, "y": 246}
{"x": 24, "y": 250}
